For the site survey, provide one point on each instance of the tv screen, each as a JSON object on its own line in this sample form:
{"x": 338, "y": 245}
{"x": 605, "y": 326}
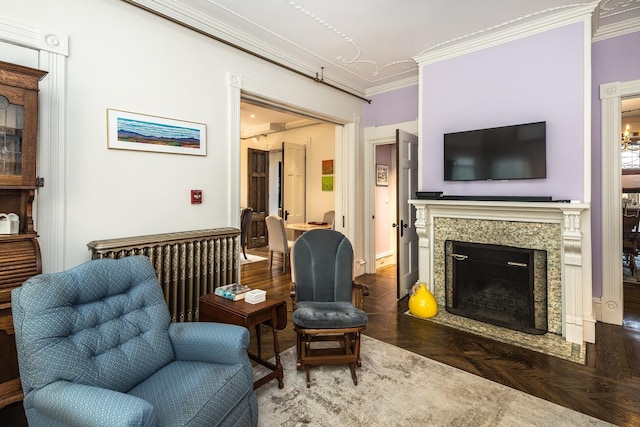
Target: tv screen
{"x": 501, "y": 153}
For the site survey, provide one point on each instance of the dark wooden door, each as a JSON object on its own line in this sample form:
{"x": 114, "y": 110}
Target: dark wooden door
{"x": 258, "y": 196}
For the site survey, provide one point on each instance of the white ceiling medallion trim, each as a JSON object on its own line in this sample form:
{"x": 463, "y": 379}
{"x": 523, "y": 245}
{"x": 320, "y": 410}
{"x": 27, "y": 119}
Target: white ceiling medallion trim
{"x": 620, "y": 6}
{"x": 216, "y": 28}
{"x": 549, "y": 19}
{"x": 618, "y": 29}
{"x": 356, "y": 62}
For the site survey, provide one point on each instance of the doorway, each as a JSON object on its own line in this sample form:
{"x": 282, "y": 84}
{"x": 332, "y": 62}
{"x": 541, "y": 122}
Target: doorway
{"x": 385, "y": 206}
{"x": 291, "y": 183}
{"x": 382, "y": 144}
{"x": 612, "y": 94}
{"x": 630, "y": 163}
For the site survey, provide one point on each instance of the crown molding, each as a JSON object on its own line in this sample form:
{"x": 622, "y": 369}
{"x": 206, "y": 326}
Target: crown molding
{"x": 218, "y": 30}
{"x": 397, "y": 84}
{"x": 459, "y": 47}
{"x": 618, "y": 29}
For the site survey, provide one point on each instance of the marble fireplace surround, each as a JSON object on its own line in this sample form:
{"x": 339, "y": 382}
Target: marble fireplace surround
{"x": 554, "y": 227}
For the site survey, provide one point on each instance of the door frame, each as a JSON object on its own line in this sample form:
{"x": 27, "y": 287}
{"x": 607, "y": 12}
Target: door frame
{"x": 346, "y": 146}
{"x": 373, "y": 136}
{"x": 611, "y": 94}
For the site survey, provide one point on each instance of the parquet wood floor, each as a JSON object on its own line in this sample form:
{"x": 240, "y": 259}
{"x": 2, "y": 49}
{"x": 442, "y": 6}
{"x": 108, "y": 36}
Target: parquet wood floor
{"x": 608, "y": 387}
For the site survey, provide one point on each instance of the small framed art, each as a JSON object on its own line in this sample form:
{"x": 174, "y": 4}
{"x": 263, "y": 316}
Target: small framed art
{"x": 382, "y": 175}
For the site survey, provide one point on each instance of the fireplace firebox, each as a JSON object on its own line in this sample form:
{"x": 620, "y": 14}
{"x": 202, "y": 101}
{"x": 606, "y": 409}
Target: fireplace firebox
{"x": 502, "y": 285}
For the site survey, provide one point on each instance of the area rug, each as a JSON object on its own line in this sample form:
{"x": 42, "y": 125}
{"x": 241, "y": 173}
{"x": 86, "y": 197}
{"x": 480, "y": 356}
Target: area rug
{"x": 400, "y": 388}
{"x": 251, "y": 258}
{"x": 551, "y": 344}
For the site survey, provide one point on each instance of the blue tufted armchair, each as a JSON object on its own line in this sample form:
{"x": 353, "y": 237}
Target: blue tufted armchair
{"x": 96, "y": 348}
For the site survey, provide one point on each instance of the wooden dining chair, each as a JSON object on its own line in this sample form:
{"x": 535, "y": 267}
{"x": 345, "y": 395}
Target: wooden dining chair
{"x": 630, "y": 237}
{"x": 245, "y": 222}
{"x": 278, "y": 241}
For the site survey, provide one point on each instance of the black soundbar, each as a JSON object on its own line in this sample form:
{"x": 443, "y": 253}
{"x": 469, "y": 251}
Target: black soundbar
{"x": 437, "y": 195}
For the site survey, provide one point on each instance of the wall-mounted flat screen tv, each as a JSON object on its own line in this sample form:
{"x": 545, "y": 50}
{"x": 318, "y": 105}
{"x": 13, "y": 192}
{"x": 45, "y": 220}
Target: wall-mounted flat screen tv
{"x": 501, "y": 153}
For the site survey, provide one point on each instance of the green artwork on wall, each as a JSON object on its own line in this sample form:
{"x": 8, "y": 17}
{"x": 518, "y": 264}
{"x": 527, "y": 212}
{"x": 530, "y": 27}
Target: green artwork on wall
{"x": 327, "y": 183}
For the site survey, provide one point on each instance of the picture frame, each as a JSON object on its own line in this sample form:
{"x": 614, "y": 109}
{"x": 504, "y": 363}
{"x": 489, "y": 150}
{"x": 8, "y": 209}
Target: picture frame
{"x": 327, "y": 183}
{"x": 327, "y": 167}
{"x": 141, "y": 132}
{"x": 382, "y": 175}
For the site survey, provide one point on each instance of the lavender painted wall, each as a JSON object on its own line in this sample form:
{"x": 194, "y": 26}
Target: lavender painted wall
{"x": 614, "y": 59}
{"x": 396, "y": 106}
{"x": 538, "y": 78}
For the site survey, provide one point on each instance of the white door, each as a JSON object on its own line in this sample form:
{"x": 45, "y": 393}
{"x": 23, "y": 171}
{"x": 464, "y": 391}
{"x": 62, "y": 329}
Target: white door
{"x": 293, "y": 182}
{"x": 407, "y": 184}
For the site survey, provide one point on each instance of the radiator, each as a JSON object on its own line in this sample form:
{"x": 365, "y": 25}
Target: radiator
{"x": 188, "y": 264}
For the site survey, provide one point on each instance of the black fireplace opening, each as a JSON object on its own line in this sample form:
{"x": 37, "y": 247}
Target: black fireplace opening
{"x": 497, "y": 284}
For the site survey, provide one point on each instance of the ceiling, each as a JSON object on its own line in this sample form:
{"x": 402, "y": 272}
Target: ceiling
{"x": 366, "y": 46}
{"x": 369, "y": 46}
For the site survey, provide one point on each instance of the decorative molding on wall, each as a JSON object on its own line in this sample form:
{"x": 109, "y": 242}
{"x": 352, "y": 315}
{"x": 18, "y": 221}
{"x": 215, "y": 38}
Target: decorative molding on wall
{"x": 610, "y": 106}
{"x": 506, "y": 32}
{"x": 33, "y": 38}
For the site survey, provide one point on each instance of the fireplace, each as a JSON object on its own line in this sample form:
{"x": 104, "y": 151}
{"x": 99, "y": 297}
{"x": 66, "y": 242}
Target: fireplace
{"x": 562, "y": 230}
{"x": 498, "y": 284}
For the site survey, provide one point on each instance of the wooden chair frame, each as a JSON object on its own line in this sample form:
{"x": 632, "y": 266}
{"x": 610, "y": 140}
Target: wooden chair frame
{"x": 346, "y": 352}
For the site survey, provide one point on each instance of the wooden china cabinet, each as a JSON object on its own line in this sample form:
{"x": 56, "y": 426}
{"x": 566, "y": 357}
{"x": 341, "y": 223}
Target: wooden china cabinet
{"x": 19, "y": 252}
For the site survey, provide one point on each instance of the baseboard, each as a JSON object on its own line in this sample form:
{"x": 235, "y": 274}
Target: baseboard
{"x": 597, "y": 309}
{"x": 385, "y": 259}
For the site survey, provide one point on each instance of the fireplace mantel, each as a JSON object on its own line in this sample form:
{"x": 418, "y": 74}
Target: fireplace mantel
{"x": 578, "y": 321}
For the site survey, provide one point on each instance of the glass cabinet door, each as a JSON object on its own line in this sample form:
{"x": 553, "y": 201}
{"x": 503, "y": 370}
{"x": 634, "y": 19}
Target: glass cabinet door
{"x": 11, "y": 127}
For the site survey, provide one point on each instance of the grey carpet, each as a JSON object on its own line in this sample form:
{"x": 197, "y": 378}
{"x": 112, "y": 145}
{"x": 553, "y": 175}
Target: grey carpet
{"x": 400, "y": 388}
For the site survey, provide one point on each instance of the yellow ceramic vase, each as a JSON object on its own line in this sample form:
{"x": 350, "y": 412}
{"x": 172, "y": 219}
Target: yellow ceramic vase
{"x": 422, "y": 303}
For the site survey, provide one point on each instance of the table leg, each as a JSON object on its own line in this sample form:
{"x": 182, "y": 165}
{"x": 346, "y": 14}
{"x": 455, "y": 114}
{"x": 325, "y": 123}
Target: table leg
{"x": 276, "y": 348}
{"x": 259, "y": 339}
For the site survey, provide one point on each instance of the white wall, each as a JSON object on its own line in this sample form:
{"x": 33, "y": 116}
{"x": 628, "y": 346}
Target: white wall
{"x": 124, "y": 58}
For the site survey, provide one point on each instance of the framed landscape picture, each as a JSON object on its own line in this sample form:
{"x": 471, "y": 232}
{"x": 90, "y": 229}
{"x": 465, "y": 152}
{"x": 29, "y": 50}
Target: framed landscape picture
{"x": 132, "y": 131}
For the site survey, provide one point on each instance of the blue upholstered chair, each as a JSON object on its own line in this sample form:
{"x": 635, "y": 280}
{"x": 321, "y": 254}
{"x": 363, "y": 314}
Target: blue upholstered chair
{"x": 327, "y": 303}
{"x": 96, "y": 348}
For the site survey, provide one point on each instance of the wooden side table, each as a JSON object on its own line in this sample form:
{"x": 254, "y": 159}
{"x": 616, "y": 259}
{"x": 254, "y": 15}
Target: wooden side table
{"x": 272, "y": 312}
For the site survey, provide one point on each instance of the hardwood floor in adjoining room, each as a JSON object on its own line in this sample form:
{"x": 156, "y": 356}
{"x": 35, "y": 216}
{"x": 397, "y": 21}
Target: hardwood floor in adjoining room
{"x": 608, "y": 387}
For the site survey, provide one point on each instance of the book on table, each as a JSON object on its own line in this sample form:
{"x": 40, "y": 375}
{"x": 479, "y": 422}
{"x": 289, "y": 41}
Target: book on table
{"x": 234, "y": 291}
